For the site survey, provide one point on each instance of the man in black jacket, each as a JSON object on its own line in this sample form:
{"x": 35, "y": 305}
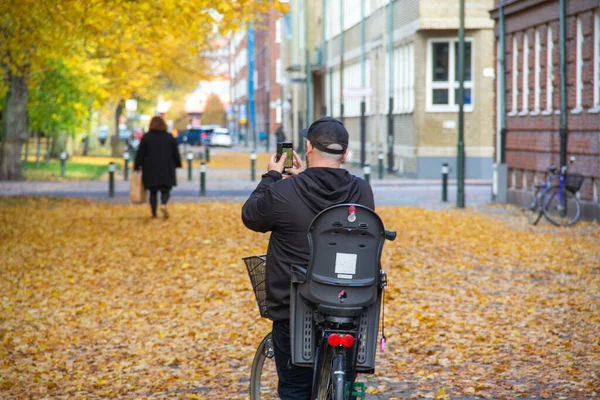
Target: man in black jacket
{"x": 286, "y": 207}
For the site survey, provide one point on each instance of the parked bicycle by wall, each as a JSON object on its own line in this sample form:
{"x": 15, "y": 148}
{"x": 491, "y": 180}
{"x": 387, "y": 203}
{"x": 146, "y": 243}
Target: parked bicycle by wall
{"x": 557, "y": 202}
{"x": 335, "y": 304}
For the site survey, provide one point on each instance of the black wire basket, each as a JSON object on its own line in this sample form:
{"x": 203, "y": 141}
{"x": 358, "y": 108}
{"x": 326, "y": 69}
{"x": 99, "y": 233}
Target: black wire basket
{"x": 573, "y": 182}
{"x": 257, "y": 273}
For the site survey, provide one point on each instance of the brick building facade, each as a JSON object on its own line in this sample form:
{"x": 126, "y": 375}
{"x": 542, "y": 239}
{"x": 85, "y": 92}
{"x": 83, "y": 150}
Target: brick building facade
{"x": 533, "y": 99}
{"x": 238, "y": 72}
{"x": 267, "y": 80}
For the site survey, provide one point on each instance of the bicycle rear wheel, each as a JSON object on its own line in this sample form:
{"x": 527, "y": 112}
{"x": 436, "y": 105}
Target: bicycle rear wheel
{"x": 535, "y": 208}
{"x": 324, "y": 384}
{"x": 263, "y": 376}
{"x": 561, "y": 207}
{"x": 338, "y": 376}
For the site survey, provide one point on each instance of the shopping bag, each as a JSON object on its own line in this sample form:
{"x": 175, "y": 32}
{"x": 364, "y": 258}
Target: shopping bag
{"x": 137, "y": 191}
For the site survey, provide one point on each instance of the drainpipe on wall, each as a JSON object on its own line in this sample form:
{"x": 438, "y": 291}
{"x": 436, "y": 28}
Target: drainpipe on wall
{"x": 251, "y": 116}
{"x": 342, "y": 61}
{"x": 363, "y": 81}
{"x": 267, "y": 63}
{"x": 309, "y": 88}
{"x": 563, "y": 83}
{"x": 390, "y": 93}
{"x": 460, "y": 157}
{"x": 324, "y": 104}
{"x": 500, "y": 178}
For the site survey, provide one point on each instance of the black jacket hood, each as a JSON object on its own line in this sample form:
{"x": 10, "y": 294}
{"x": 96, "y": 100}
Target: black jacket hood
{"x": 320, "y": 188}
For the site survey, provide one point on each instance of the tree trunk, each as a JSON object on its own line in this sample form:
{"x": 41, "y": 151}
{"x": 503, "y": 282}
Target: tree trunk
{"x": 38, "y": 149}
{"x": 14, "y": 129}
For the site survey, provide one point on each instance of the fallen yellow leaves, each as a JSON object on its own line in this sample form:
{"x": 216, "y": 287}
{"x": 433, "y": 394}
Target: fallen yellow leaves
{"x": 98, "y": 300}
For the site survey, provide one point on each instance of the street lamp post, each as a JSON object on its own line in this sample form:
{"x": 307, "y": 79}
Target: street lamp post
{"x": 460, "y": 161}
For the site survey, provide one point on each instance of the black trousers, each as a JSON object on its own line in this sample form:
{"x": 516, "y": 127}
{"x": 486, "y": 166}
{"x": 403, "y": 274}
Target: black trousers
{"x": 165, "y": 192}
{"x": 295, "y": 383}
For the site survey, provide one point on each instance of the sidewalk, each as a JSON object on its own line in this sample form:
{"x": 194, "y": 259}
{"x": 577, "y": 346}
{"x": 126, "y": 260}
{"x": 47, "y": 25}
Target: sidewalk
{"x": 234, "y": 185}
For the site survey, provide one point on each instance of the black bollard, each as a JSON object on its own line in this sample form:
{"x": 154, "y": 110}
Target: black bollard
{"x": 445, "y": 182}
{"x": 202, "y": 179}
{"x": 126, "y": 171}
{"x": 111, "y": 179}
{"x": 63, "y": 161}
{"x": 190, "y": 157}
{"x": 367, "y": 173}
{"x": 253, "y": 166}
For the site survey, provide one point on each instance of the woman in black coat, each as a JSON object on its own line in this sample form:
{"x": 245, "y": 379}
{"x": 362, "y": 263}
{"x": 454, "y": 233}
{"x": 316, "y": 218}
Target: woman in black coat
{"x": 158, "y": 157}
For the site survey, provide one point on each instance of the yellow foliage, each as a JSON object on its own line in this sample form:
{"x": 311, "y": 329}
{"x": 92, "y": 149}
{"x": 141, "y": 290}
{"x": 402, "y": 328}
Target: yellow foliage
{"x": 99, "y": 300}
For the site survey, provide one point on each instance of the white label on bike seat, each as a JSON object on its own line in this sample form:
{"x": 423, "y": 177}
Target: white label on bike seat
{"x": 344, "y": 276}
{"x": 345, "y": 263}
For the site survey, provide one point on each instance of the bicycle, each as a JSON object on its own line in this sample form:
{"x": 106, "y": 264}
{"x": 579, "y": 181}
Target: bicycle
{"x": 558, "y": 203}
{"x": 334, "y": 304}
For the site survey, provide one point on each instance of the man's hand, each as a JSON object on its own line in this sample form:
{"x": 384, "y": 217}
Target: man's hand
{"x": 275, "y": 165}
{"x": 297, "y": 168}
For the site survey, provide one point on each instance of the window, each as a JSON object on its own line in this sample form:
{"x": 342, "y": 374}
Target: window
{"x": 578, "y": 67}
{"x": 525, "y": 97}
{"x": 549, "y": 71}
{"x": 352, "y": 79}
{"x": 515, "y": 76}
{"x": 278, "y": 31}
{"x": 352, "y": 12}
{"x": 597, "y": 62}
{"x": 403, "y": 90}
{"x": 442, "y": 76}
{"x": 301, "y": 24}
{"x": 537, "y": 72}
{"x": 332, "y": 10}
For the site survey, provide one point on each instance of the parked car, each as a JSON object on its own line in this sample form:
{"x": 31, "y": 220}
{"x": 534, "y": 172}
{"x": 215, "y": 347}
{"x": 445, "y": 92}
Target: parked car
{"x": 221, "y": 137}
{"x": 195, "y": 136}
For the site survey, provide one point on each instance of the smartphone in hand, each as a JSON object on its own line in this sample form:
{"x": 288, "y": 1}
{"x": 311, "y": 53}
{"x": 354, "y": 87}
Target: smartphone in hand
{"x": 288, "y": 148}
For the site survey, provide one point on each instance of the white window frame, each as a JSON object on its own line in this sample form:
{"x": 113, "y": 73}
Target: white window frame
{"x": 549, "y": 71}
{"x": 596, "y": 62}
{"x": 451, "y": 84}
{"x": 332, "y": 28}
{"x": 578, "y": 67}
{"x": 352, "y": 78}
{"x": 515, "y": 77}
{"x": 403, "y": 90}
{"x": 537, "y": 72}
{"x": 352, "y": 13}
{"x": 278, "y": 30}
{"x": 525, "y": 95}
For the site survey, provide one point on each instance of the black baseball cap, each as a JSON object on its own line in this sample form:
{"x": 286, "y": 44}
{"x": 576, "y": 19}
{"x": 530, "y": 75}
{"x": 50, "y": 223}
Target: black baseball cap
{"x": 328, "y": 135}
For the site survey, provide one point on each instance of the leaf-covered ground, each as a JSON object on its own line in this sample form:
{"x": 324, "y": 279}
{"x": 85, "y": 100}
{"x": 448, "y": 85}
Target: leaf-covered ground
{"x": 98, "y": 300}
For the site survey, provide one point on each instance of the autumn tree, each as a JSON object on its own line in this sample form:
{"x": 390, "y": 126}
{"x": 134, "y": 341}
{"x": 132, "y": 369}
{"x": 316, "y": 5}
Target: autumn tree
{"x": 138, "y": 48}
{"x": 214, "y": 111}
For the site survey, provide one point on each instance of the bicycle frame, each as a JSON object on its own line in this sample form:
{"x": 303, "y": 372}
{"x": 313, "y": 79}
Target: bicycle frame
{"x": 343, "y": 360}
